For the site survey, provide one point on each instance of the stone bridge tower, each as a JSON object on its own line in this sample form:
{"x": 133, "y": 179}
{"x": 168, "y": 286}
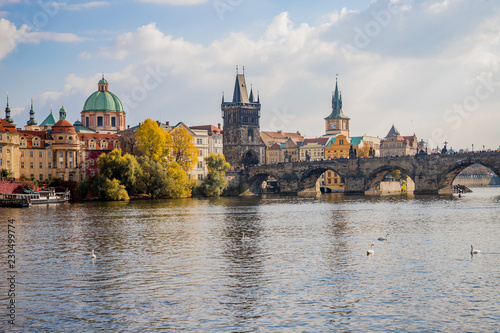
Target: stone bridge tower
{"x": 241, "y": 125}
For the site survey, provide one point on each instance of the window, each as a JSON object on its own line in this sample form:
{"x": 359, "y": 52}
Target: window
{"x": 41, "y": 177}
{"x": 22, "y": 165}
{"x": 99, "y": 121}
{"x": 92, "y": 172}
{"x": 91, "y": 162}
{"x": 61, "y": 138}
{"x": 70, "y": 176}
{"x": 199, "y": 141}
{"x": 23, "y": 142}
{"x": 31, "y": 153}
{"x": 86, "y": 121}
{"x": 50, "y": 154}
{"x": 40, "y": 154}
{"x": 31, "y": 165}
{"x": 201, "y": 153}
{"x": 104, "y": 145}
{"x": 1, "y": 150}
{"x": 50, "y": 176}
{"x": 200, "y": 177}
{"x": 41, "y": 165}
{"x": 36, "y": 143}
{"x": 200, "y": 164}
{"x": 50, "y": 165}
{"x": 113, "y": 121}
{"x": 0, "y": 136}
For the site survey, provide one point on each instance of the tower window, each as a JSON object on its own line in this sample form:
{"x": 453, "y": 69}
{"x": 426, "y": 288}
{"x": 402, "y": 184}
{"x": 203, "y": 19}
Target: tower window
{"x": 86, "y": 121}
{"x": 113, "y": 121}
{"x": 99, "y": 121}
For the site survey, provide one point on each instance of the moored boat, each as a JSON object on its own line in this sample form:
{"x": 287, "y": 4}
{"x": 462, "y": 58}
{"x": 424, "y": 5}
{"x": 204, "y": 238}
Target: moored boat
{"x": 47, "y": 196}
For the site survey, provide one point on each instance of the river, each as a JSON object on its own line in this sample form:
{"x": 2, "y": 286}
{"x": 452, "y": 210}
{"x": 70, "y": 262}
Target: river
{"x": 270, "y": 264}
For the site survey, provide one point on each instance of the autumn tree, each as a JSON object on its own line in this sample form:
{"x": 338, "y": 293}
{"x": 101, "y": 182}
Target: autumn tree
{"x": 215, "y": 182}
{"x": 114, "y": 191}
{"x": 129, "y": 143}
{"x": 178, "y": 183}
{"x": 153, "y": 141}
{"x": 123, "y": 168}
{"x": 183, "y": 150}
{"x": 364, "y": 151}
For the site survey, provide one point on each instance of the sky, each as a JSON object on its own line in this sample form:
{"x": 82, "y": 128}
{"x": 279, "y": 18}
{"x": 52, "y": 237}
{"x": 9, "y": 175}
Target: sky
{"x": 430, "y": 67}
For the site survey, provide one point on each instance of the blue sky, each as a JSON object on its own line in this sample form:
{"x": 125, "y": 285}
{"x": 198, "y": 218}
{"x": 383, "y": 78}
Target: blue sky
{"x": 430, "y": 67}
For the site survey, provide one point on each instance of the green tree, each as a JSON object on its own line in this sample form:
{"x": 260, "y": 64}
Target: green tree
{"x": 153, "y": 141}
{"x": 183, "y": 149}
{"x": 215, "y": 183}
{"x": 153, "y": 178}
{"x": 123, "y": 168}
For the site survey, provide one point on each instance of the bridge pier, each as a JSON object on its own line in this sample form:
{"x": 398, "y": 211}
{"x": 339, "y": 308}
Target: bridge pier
{"x": 354, "y": 185}
{"x": 426, "y": 185}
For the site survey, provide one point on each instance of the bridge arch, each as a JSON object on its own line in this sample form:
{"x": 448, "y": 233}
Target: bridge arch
{"x": 256, "y": 181}
{"x": 308, "y": 179}
{"x": 374, "y": 179}
{"x": 446, "y": 178}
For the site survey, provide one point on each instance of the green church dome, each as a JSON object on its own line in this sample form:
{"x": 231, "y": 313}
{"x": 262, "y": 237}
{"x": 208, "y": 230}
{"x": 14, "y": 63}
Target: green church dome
{"x": 103, "y": 100}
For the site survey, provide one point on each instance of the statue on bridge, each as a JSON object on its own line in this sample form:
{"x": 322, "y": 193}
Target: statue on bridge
{"x": 352, "y": 152}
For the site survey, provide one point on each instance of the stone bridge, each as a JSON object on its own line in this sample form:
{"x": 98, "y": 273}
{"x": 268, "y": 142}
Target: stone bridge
{"x": 432, "y": 174}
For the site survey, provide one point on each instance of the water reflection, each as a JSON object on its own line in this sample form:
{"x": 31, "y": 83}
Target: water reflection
{"x": 184, "y": 265}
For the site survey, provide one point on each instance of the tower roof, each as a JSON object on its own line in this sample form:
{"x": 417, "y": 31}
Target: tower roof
{"x": 336, "y": 105}
{"x": 393, "y": 131}
{"x": 50, "y": 120}
{"x": 240, "y": 94}
{"x": 62, "y": 126}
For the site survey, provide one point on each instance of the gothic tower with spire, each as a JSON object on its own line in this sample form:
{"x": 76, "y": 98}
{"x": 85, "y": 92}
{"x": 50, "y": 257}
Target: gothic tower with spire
{"x": 241, "y": 130}
{"x": 337, "y": 123}
{"x": 7, "y": 112}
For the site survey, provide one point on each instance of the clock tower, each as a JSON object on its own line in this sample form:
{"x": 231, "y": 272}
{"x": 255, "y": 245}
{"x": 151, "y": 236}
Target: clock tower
{"x": 337, "y": 122}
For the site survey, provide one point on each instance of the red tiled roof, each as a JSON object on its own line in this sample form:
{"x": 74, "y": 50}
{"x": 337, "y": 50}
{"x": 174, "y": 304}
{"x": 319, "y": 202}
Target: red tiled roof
{"x": 284, "y": 135}
{"x": 62, "y": 126}
{"x": 6, "y": 126}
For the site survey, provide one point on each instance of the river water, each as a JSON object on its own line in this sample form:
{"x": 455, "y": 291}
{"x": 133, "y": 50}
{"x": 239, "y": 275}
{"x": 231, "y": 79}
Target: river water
{"x": 270, "y": 264}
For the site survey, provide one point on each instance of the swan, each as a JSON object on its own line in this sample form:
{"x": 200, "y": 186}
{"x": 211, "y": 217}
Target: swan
{"x": 472, "y": 251}
{"x": 383, "y": 238}
{"x": 370, "y": 251}
{"x": 93, "y": 254}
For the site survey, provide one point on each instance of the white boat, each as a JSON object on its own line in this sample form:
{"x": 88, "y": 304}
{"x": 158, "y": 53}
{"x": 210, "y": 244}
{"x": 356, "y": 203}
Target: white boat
{"x": 47, "y": 196}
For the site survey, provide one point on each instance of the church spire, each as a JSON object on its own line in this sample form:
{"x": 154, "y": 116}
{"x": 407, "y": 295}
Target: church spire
{"x": 336, "y": 103}
{"x": 7, "y": 112}
{"x": 62, "y": 113}
{"x": 32, "y": 120}
{"x": 251, "y": 98}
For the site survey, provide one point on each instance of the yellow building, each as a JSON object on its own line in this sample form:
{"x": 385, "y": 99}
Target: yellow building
{"x": 9, "y": 148}
{"x": 337, "y": 147}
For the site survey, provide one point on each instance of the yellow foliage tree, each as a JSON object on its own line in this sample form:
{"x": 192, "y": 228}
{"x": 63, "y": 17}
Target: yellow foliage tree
{"x": 153, "y": 141}
{"x": 364, "y": 151}
{"x": 178, "y": 183}
{"x": 183, "y": 151}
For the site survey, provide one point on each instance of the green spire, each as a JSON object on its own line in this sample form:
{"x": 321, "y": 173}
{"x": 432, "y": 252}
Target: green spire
{"x": 336, "y": 104}
{"x": 32, "y": 120}
{"x": 7, "y": 112}
{"x": 62, "y": 113}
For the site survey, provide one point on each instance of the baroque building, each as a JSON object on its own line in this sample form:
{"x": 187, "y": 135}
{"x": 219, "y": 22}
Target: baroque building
{"x": 103, "y": 111}
{"x": 242, "y": 144}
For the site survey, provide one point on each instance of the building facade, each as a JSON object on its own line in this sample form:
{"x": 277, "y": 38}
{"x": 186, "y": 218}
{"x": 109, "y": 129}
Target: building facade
{"x": 394, "y": 144}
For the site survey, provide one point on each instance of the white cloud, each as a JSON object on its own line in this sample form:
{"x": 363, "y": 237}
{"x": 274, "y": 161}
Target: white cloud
{"x": 11, "y": 36}
{"x": 415, "y": 68}
{"x": 176, "y": 2}
{"x": 80, "y": 6}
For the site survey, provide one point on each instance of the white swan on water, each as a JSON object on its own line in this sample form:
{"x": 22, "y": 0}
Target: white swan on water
{"x": 472, "y": 251}
{"x": 93, "y": 254}
{"x": 370, "y": 251}
{"x": 383, "y": 238}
